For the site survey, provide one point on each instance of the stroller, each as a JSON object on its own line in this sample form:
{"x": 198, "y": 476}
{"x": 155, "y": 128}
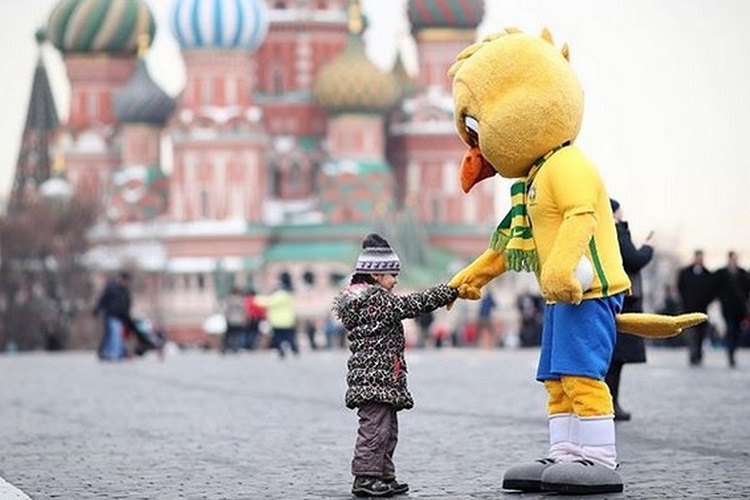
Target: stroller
{"x": 147, "y": 337}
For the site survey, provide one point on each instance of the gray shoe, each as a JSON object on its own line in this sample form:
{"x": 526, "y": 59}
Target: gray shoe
{"x": 581, "y": 477}
{"x": 527, "y": 477}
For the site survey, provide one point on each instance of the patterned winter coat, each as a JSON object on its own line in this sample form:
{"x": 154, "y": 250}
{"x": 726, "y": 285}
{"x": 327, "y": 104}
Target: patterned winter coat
{"x": 373, "y": 318}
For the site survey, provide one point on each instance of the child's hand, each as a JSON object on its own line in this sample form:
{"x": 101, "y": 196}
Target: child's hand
{"x": 449, "y": 305}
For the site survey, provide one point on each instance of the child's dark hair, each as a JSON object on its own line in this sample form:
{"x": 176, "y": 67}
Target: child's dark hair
{"x": 362, "y": 278}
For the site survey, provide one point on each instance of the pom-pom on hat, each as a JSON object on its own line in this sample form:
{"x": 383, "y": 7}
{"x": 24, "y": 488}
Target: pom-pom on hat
{"x": 377, "y": 257}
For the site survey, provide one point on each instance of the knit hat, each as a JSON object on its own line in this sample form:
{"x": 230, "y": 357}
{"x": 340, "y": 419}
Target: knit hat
{"x": 377, "y": 257}
{"x": 614, "y": 204}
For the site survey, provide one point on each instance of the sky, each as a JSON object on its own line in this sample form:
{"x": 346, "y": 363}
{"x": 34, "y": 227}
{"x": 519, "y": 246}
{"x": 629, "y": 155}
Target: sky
{"x": 667, "y": 100}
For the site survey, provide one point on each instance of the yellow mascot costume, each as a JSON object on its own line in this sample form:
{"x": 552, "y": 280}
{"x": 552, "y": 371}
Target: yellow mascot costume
{"x": 519, "y": 107}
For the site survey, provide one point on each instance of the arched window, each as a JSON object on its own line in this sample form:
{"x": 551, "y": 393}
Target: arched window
{"x": 309, "y": 278}
{"x": 277, "y": 82}
{"x": 295, "y": 177}
{"x": 276, "y": 179}
{"x": 315, "y": 177}
{"x": 204, "y": 205}
{"x": 336, "y": 279}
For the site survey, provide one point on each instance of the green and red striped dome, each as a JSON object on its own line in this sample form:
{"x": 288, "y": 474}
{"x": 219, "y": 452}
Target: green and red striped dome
{"x": 453, "y": 14}
{"x": 100, "y": 26}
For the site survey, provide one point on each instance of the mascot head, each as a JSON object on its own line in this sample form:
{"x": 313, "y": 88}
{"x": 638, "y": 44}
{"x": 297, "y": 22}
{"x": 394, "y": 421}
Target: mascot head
{"x": 516, "y": 98}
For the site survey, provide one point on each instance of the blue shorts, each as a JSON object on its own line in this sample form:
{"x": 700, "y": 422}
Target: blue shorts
{"x": 579, "y": 339}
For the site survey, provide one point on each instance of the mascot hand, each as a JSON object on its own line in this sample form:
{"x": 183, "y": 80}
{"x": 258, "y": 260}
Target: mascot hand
{"x": 558, "y": 280}
{"x": 485, "y": 268}
{"x": 560, "y": 285}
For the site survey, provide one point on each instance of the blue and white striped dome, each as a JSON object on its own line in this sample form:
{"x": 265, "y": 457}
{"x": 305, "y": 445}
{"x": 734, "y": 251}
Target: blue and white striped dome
{"x": 219, "y": 24}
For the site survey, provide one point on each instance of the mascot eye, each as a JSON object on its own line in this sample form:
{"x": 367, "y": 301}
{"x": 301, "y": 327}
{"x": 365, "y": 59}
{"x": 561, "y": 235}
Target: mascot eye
{"x": 472, "y": 128}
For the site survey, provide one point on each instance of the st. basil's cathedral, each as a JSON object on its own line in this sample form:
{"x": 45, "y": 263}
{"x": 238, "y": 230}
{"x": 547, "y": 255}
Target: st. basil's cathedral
{"x": 286, "y": 147}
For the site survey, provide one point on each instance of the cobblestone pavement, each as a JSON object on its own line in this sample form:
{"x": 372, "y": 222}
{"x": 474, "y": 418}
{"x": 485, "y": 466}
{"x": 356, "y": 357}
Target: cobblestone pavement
{"x": 204, "y": 426}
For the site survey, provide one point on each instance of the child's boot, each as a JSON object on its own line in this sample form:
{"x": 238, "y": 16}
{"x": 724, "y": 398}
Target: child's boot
{"x": 365, "y": 486}
{"x": 398, "y": 488}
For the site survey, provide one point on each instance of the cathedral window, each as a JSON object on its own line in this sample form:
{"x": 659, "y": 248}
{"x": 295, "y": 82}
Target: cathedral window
{"x": 92, "y": 106}
{"x": 207, "y": 92}
{"x": 308, "y": 277}
{"x": 276, "y": 180}
{"x": 278, "y": 82}
{"x": 335, "y": 278}
{"x": 204, "y": 205}
{"x": 230, "y": 88}
{"x": 315, "y": 178}
{"x": 295, "y": 176}
{"x": 436, "y": 206}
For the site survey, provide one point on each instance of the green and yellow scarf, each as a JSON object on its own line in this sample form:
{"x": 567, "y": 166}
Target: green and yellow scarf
{"x": 513, "y": 235}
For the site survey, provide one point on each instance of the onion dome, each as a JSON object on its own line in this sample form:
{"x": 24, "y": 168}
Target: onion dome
{"x": 450, "y": 14}
{"x": 141, "y": 100}
{"x": 352, "y": 83}
{"x": 219, "y": 24}
{"x": 96, "y": 26}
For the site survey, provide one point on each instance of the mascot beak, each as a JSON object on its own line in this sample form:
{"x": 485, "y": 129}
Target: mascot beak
{"x": 474, "y": 168}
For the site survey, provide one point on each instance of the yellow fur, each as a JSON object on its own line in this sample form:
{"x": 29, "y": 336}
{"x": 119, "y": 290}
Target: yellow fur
{"x": 582, "y": 396}
{"x": 657, "y": 325}
{"x": 590, "y": 397}
{"x": 558, "y": 402}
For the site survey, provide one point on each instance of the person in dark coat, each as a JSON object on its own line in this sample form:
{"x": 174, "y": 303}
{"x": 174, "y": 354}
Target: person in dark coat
{"x": 697, "y": 288}
{"x": 628, "y": 348}
{"x": 114, "y": 305}
{"x": 372, "y": 316}
{"x": 733, "y": 290}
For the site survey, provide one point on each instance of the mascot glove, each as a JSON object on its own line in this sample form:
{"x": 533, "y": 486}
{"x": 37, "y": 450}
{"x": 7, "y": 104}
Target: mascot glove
{"x": 471, "y": 279}
{"x": 560, "y": 285}
{"x": 557, "y": 281}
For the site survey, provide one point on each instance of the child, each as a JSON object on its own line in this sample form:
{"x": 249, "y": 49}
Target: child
{"x": 372, "y": 317}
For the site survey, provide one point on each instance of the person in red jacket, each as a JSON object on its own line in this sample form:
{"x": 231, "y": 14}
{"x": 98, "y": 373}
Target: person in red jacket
{"x": 255, "y": 314}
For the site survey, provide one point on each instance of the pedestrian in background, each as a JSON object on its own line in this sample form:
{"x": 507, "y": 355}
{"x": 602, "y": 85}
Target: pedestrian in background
{"x": 628, "y": 348}
{"x": 733, "y": 289}
{"x": 485, "y": 334}
{"x": 281, "y": 315}
{"x": 424, "y": 323}
{"x": 255, "y": 314}
{"x": 334, "y": 332}
{"x": 114, "y": 305}
{"x": 236, "y": 318}
{"x": 372, "y": 315}
{"x": 531, "y": 311}
{"x": 697, "y": 288}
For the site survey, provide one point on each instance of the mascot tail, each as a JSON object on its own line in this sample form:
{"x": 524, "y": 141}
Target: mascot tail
{"x": 657, "y": 325}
